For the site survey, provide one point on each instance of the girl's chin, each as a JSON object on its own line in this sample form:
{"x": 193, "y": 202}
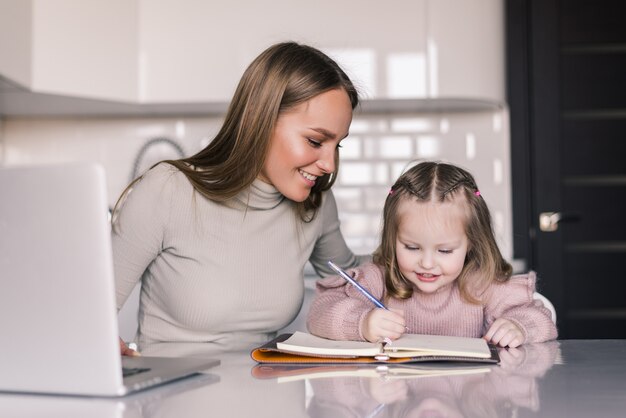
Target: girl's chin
{"x": 427, "y": 290}
{"x": 424, "y": 287}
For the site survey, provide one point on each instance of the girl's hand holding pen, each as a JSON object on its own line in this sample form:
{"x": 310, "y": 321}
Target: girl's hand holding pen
{"x": 379, "y": 324}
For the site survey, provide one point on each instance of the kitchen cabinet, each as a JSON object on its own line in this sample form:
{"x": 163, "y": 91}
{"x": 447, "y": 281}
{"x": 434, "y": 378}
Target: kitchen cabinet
{"x": 197, "y": 51}
{"x": 465, "y": 49}
{"x": 15, "y": 42}
{"x": 424, "y": 49}
{"x": 70, "y": 47}
{"x": 186, "y": 55}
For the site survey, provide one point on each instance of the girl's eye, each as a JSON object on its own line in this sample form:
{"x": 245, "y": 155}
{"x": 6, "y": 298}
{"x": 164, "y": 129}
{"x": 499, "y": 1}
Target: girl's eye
{"x": 314, "y": 143}
{"x": 411, "y": 247}
{"x": 445, "y": 251}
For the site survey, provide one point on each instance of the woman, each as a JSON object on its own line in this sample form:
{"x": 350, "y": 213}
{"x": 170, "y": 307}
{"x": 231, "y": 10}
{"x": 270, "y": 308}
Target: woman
{"x": 219, "y": 240}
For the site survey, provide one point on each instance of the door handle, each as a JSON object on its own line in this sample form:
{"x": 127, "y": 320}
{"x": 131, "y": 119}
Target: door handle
{"x": 549, "y": 221}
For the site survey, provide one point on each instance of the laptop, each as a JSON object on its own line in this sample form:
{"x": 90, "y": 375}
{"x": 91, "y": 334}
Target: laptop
{"x": 58, "y": 316}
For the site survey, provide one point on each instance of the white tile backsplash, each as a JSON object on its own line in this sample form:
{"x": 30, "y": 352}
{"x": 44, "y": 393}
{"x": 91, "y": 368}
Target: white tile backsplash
{"x": 114, "y": 143}
{"x": 378, "y": 149}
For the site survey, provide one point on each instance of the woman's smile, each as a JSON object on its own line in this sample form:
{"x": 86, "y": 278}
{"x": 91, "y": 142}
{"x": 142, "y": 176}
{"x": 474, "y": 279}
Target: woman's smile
{"x": 309, "y": 177}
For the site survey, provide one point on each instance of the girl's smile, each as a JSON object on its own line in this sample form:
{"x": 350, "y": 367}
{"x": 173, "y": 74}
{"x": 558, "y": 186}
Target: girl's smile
{"x": 427, "y": 277}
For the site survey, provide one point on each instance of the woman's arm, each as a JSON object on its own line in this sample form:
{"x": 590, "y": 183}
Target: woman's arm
{"x": 138, "y": 229}
{"x": 331, "y": 244}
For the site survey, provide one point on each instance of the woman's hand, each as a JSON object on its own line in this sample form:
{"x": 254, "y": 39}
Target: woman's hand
{"x": 126, "y": 351}
{"x": 504, "y": 333}
{"x": 381, "y": 323}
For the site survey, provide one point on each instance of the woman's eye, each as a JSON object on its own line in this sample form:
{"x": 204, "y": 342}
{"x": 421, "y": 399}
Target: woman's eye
{"x": 314, "y": 143}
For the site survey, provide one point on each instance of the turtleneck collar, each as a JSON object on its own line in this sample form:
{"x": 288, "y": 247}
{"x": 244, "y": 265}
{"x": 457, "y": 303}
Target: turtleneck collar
{"x": 260, "y": 196}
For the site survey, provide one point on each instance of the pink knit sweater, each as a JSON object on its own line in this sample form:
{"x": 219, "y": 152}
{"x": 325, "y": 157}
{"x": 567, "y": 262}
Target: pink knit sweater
{"x": 338, "y": 310}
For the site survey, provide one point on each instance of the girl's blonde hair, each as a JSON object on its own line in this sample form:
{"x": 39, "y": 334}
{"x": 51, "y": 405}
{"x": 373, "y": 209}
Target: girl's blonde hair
{"x": 280, "y": 78}
{"x": 440, "y": 182}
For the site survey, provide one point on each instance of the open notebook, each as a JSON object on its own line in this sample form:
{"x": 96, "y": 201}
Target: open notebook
{"x": 301, "y": 347}
{"x": 58, "y": 314}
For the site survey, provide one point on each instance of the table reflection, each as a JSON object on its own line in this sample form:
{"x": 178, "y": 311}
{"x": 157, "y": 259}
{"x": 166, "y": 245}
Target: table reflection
{"x": 239, "y": 387}
{"x": 137, "y": 405}
{"x": 238, "y": 394}
{"x": 477, "y": 391}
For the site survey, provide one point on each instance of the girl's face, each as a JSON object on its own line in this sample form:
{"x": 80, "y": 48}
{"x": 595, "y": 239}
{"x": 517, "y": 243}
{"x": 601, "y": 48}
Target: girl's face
{"x": 304, "y": 141}
{"x": 431, "y": 244}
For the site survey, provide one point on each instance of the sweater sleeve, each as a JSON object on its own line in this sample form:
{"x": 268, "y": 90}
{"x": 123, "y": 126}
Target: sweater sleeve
{"x": 514, "y": 301}
{"x": 338, "y": 309}
{"x": 331, "y": 244}
{"x": 139, "y": 228}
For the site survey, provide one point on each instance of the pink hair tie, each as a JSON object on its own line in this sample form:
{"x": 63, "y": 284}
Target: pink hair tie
{"x": 477, "y": 192}
{"x": 391, "y": 191}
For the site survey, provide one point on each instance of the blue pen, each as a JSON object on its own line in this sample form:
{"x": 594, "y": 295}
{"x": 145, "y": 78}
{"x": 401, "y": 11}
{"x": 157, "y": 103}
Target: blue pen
{"x": 358, "y": 286}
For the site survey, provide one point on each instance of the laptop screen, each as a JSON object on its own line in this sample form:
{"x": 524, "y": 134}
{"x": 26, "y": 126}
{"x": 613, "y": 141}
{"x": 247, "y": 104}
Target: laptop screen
{"x": 57, "y": 301}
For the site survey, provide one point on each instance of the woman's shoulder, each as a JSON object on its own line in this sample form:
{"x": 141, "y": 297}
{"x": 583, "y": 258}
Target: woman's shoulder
{"x": 161, "y": 183}
{"x": 326, "y": 215}
{"x": 328, "y": 205}
{"x": 162, "y": 171}
{"x": 164, "y": 176}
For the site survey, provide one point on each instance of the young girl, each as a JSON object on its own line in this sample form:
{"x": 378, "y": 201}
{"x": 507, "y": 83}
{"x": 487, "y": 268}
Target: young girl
{"x": 438, "y": 269}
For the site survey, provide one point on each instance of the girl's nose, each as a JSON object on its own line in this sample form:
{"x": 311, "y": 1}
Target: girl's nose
{"x": 426, "y": 260}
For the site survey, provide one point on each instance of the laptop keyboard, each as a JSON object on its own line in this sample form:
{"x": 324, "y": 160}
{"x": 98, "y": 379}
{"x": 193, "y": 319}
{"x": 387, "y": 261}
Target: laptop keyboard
{"x": 130, "y": 371}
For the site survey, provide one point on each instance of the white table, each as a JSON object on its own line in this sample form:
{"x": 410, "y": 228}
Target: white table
{"x": 569, "y": 378}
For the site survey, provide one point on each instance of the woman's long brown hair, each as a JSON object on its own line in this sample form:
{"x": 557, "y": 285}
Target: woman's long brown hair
{"x": 280, "y": 78}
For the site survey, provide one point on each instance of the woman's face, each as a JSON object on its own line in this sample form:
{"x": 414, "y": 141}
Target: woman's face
{"x": 302, "y": 146}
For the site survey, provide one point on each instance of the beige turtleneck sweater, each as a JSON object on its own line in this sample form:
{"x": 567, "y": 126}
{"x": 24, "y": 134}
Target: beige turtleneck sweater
{"x": 227, "y": 274}
{"x": 338, "y": 310}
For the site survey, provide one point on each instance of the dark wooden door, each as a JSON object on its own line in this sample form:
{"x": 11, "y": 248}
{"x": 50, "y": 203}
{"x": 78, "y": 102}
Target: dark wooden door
{"x": 568, "y": 118}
